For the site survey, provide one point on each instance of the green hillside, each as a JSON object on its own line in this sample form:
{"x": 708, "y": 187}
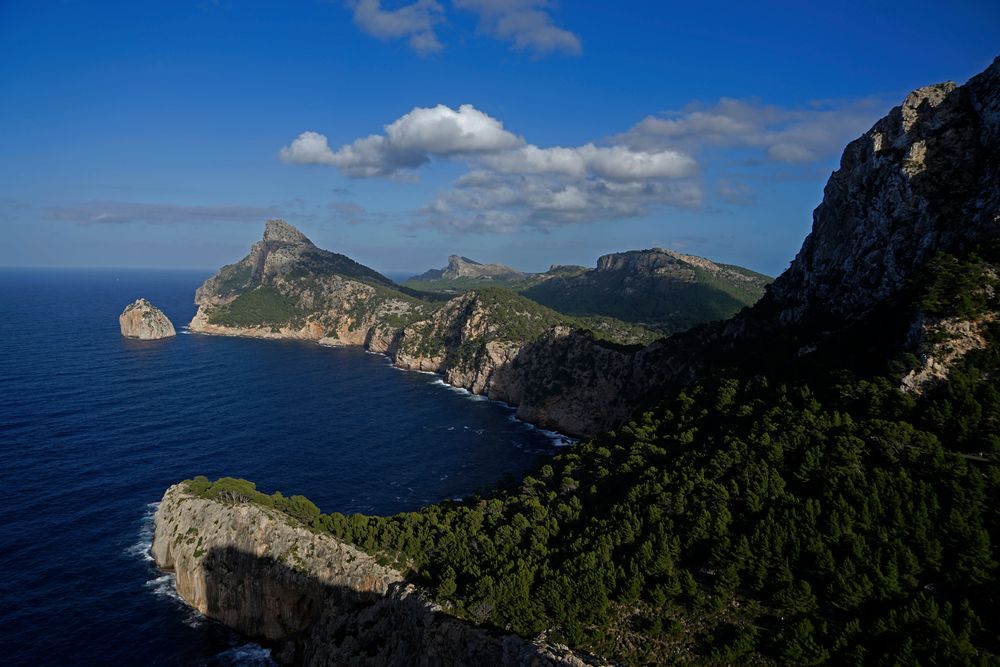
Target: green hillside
{"x": 791, "y": 513}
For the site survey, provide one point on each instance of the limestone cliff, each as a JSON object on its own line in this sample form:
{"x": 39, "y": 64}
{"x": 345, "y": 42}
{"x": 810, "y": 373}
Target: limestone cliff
{"x": 318, "y": 600}
{"x": 658, "y": 288}
{"x": 489, "y": 341}
{"x": 925, "y": 179}
{"x": 144, "y": 321}
{"x": 463, "y": 267}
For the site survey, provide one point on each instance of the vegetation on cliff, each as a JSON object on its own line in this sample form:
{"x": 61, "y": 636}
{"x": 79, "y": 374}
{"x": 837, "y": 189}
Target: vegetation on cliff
{"x": 800, "y": 513}
{"x": 261, "y": 306}
{"x": 673, "y": 293}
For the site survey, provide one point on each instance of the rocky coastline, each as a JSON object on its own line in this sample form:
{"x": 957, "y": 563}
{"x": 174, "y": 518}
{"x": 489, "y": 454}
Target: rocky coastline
{"x": 316, "y": 600}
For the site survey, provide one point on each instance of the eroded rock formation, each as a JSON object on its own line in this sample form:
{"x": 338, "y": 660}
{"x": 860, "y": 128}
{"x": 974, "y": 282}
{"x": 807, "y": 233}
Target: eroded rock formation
{"x": 144, "y": 321}
{"x": 317, "y": 600}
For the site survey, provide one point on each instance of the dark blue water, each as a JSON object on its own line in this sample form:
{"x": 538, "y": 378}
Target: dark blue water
{"x": 94, "y": 427}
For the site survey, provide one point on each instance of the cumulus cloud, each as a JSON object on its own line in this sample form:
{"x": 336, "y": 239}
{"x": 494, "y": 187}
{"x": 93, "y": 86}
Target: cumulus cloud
{"x": 308, "y": 148}
{"x": 408, "y": 142}
{"x": 123, "y": 212}
{"x": 615, "y": 163}
{"x": 415, "y": 22}
{"x": 489, "y": 202}
{"x": 511, "y": 183}
{"x": 525, "y": 23}
{"x": 780, "y": 135}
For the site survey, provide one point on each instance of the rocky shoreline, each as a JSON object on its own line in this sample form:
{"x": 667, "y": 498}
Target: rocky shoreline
{"x": 315, "y": 599}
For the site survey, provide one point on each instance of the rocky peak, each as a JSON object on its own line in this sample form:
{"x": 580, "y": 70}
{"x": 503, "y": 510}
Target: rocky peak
{"x": 655, "y": 261}
{"x": 463, "y": 267}
{"x": 457, "y": 262}
{"x": 280, "y": 231}
{"x": 924, "y": 179}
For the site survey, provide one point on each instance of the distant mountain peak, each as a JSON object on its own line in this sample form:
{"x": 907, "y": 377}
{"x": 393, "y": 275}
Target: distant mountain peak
{"x": 463, "y": 267}
{"x": 282, "y": 232}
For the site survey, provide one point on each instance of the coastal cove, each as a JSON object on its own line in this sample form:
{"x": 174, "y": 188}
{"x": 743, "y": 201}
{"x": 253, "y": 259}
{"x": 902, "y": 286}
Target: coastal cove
{"x": 94, "y": 426}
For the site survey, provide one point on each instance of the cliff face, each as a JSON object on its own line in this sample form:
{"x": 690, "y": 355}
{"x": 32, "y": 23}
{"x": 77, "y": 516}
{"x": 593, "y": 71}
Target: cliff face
{"x": 319, "y": 600}
{"x": 924, "y": 179}
{"x": 463, "y": 267}
{"x": 660, "y": 289}
{"x": 144, "y": 321}
{"x": 669, "y": 264}
{"x": 488, "y": 341}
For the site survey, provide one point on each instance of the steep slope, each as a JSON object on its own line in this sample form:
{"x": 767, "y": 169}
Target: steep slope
{"x": 463, "y": 267}
{"x": 658, "y": 288}
{"x": 490, "y": 341}
{"x": 790, "y": 504}
{"x": 922, "y": 181}
{"x": 258, "y": 564}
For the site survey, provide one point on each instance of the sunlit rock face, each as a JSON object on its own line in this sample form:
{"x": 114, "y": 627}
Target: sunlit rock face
{"x": 144, "y": 321}
{"x": 924, "y": 179}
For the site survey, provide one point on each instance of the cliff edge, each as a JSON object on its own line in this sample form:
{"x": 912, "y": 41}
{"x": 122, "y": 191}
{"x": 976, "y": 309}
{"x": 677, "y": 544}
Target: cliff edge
{"x": 316, "y": 599}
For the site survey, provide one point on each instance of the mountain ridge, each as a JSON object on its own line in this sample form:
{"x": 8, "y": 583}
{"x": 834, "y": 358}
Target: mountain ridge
{"x": 780, "y": 499}
{"x": 660, "y": 289}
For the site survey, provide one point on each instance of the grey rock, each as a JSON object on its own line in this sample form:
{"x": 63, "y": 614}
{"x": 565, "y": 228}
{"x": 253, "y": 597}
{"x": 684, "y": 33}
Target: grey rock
{"x": 924, "y": 179}
{"x": 319, "y": 600}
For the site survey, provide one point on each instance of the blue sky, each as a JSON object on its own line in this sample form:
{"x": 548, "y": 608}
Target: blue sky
{"x": 163, "y": 134}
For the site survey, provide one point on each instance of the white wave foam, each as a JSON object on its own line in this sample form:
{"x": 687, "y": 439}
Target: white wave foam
{"x": 247, "y": 654}
{"x": 163, "y": 584}
{"x": 557, "y": 439}
{"x": 141, "y": 549}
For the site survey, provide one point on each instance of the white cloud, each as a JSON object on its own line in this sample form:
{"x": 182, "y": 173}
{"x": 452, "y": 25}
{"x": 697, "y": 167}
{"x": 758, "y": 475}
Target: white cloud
{"x": 616, "y": 163}
{"x": 623, "y": 164}
{"x": 409, "y": 142}
{"x": 490, "y": 202}
{"x": 441, "y": 130}
{"x": 525, "y": 23}
{"x": 781, "y": 135}
{"x": 308, "y": 148}
{"x": 511, "y": 183}
{"x": 415, "y": 21}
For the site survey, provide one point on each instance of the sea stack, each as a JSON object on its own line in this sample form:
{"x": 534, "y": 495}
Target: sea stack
{"x": 144, "y": 321}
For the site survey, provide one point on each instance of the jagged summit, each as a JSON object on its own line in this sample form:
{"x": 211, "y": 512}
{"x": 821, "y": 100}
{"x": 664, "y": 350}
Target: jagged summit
{"x": 282, "y": 252}
{"x": 658, "y": 288}
{"x": 282, "y": 232}
{"x": 925, "y": 179}
{"x": 463, "y": 267}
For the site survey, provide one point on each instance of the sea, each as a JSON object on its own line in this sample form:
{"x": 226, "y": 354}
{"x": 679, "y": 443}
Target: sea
{"x": 94, "y": 427}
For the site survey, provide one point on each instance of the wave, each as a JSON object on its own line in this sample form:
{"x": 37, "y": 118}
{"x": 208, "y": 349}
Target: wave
{"x": 162, "y": 584}
{"x": 142, "y": 548}
{"x": 556, "y": 438}
{"x": 247, "y": 654}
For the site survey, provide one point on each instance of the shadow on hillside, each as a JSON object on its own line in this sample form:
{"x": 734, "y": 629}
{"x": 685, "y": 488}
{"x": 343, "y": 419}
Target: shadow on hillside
{"x": 308, "y": 621}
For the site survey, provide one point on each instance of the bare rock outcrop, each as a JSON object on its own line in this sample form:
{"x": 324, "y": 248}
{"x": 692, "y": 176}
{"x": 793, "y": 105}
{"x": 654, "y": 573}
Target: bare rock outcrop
{"x": 144, "y": 321}
{"x": 924, "y": 179}
{"x": 463, "y": 267}
{"x": 316, "y": 599}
